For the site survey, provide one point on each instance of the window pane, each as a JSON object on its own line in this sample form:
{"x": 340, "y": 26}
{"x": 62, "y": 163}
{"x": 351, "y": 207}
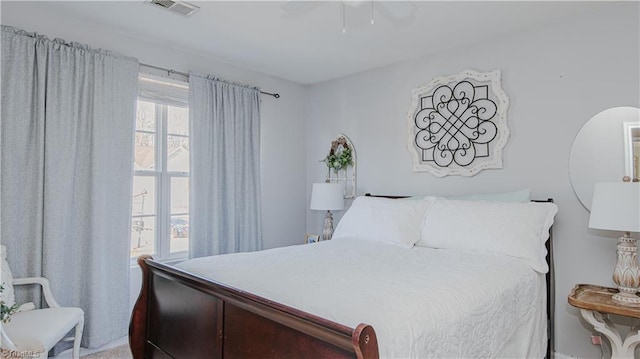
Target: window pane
{"x": 179, "y": 234}
{"x": 177, "y": 154}
{"x": 146, "y": 116}
{"x": 179, "y": 214}
{"x": 144, "y": 195}
{"x": 143, "y": 231}
{"x": 178, "y": 120}
{"x": 179, "y": 195}
{"x": 145, "y": 152}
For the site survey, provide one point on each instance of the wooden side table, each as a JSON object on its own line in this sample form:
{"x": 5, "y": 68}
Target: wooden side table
{"x": 593, "y": 301}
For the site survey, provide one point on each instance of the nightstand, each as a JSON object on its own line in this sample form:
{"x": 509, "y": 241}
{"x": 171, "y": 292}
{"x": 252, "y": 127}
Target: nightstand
{"x": 594, "y": 301}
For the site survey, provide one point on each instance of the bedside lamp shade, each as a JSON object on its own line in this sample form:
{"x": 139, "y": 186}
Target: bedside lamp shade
{"x": 616, "y": 207}
{"x": 327, "y": 196}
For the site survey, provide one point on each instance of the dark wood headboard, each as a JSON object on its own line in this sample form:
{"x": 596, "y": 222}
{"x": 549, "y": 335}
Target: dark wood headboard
{"x": 550, "y": 278}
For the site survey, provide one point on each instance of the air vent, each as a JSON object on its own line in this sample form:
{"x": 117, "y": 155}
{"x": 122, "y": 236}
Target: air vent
{"x": 179, "y": 7}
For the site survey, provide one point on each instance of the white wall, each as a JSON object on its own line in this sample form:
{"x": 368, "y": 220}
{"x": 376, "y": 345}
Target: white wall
{"x": 557, "y": 75}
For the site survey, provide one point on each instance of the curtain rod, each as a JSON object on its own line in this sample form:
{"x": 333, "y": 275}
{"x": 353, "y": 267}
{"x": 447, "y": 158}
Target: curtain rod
{"x": 169, "y": 71}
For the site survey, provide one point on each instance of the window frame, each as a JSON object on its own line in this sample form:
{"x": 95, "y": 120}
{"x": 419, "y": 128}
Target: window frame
{"x": 163, "y": 178}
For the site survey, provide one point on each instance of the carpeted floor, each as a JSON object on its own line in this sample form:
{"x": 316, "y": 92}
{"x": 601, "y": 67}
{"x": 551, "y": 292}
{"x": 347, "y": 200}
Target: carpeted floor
{"x": 119, "y": 352}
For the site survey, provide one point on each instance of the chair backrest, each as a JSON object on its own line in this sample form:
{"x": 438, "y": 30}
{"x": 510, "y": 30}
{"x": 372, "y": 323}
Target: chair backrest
{"x": 6, "y": 279}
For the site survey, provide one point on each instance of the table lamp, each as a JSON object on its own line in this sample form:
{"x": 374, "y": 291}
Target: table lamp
{"x": 327, "y": 197}
{"x": 616, "y": 207}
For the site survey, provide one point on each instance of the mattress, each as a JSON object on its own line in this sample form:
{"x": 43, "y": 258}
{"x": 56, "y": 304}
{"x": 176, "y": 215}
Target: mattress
{"x": 422, "y": 302}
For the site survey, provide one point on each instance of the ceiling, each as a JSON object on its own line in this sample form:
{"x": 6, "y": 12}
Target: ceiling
{"x": 307, "y": 45}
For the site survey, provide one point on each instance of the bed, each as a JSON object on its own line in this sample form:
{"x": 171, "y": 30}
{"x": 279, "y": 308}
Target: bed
{"x": 430, "y": 299}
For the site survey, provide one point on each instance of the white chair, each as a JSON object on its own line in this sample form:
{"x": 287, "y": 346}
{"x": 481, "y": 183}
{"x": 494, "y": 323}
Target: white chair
{"x": 34, "y": 332}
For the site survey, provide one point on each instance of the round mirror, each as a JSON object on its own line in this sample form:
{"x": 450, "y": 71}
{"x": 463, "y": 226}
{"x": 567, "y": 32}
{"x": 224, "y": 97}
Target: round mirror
{"x": 603, "y": 151}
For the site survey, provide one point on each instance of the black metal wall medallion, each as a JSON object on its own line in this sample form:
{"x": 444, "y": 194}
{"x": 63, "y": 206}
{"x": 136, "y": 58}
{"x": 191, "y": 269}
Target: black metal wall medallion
{"x": 458, "y": 124}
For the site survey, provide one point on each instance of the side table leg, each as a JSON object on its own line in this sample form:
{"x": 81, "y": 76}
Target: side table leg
{"x": 619, "y": 349}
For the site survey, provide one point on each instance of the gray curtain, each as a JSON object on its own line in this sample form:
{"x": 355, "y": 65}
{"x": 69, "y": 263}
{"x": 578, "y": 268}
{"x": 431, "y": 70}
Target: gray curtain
{"x": 67, "y": 129}
{"x": 225, "y": 167}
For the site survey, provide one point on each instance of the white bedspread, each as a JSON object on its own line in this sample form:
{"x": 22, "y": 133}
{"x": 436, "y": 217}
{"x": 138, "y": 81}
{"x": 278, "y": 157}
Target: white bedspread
{"x": 422, "y": 302}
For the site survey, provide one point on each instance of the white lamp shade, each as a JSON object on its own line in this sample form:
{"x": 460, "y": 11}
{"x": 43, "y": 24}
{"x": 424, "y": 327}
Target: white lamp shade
{"x": 327, "y": 196}
{"x": 616, "y": 206}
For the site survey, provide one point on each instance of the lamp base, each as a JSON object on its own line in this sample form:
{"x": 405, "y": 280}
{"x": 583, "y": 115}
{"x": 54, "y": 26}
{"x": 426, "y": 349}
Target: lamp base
{"x": 625, "y": 276}
{"x": 626, "y": 298}
{"x": 327, "y": 232}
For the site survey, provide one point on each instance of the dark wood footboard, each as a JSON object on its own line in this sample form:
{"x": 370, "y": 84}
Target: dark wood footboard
{"x": 180, "y": 315}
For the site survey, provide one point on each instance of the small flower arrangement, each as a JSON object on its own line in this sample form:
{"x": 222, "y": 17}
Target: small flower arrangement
{"x": 5, "y": 311}
{"x": 339, "y": 156}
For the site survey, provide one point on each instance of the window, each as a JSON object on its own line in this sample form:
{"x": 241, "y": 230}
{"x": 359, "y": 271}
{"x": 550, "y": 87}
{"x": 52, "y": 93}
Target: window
{"x": 160, "y": 202}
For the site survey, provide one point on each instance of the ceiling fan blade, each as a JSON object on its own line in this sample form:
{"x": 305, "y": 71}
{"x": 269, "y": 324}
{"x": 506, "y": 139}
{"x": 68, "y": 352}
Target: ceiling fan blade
{"x": 398, "y": 13}
{"x": 300, "y": 6}
{"x": 399, "y": 9}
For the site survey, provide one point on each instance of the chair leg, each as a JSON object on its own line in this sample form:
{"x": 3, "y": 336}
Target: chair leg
{"x": 78, "y": 338}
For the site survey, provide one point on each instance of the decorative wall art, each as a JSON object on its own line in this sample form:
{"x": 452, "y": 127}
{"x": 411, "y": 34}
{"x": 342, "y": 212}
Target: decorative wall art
{"x": 458, "y": 124}
{"x": 341, "y": 164}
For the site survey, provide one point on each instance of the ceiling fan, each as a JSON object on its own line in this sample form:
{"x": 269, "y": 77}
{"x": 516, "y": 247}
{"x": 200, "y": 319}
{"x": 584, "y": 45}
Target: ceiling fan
{"x": 397, "y": 12}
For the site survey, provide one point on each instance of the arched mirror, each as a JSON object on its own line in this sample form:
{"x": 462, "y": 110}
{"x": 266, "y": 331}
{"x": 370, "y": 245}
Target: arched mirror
{"x": 604, "y": 151}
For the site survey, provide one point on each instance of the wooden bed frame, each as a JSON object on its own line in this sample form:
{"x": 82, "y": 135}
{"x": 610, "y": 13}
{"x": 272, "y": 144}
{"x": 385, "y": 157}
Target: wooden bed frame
{"x": 181, "y": 315}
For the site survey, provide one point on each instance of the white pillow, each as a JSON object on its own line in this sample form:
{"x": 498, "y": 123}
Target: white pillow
{"x": 384, "y": 220}
{"x": 514, "y": 229}
{"x": 521, "y": 196}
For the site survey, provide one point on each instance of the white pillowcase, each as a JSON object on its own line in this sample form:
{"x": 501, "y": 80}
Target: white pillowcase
{"x": 514, "y": 229}
{"x": 521, "y": 196}
{"x": 384, "y": 220}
